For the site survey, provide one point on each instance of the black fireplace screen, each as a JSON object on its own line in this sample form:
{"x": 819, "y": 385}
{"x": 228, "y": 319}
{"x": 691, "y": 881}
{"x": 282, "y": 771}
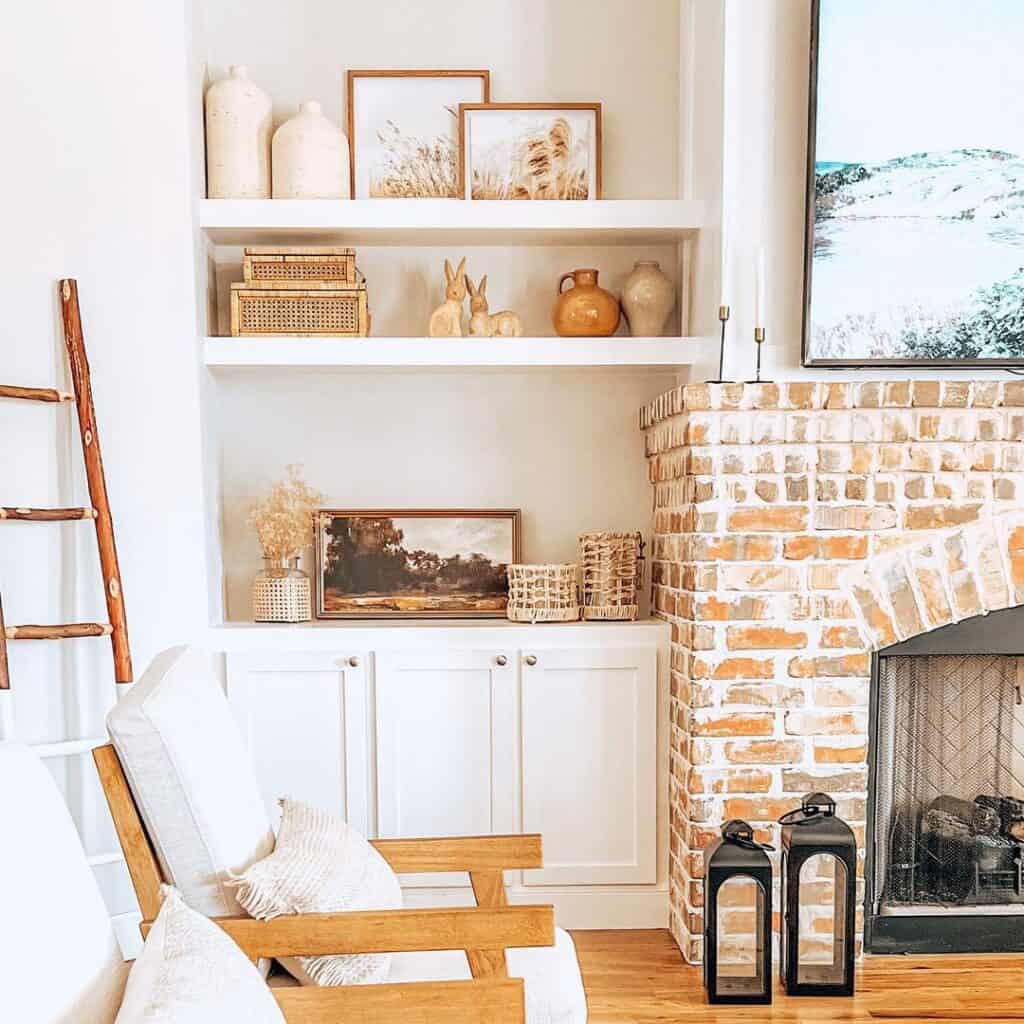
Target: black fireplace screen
{"x": 949, "y": 782}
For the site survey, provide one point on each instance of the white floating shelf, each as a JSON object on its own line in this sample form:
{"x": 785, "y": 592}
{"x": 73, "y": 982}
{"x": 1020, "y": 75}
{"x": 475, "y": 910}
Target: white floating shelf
{"x": 449, "y": 221}
{"x": 441, "y": 353}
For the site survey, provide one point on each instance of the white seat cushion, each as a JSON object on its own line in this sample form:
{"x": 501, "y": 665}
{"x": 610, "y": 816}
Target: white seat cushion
{"x": 190, "y": 774}
{"x": 554, "y": 988}
{"x": 59, "y": 961}
{"x": 190, "y": 972}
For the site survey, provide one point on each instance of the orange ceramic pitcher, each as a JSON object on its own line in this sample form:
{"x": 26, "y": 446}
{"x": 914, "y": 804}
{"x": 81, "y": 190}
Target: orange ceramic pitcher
{"x": 585, "y": 310}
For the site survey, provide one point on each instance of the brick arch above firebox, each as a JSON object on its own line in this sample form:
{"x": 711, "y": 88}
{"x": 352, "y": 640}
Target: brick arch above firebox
{"x": 966, "y": 572}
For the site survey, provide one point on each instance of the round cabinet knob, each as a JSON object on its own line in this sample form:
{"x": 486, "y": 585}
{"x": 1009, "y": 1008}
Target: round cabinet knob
{"x": 531, "y": 659}
{"x": 353, "y": 662}
{"x": 501, "y": 660}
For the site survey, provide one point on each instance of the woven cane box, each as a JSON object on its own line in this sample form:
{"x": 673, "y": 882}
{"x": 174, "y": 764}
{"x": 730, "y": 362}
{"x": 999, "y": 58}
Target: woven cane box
{"x": 296, "y": 267}
{"x": 316, "y": 310}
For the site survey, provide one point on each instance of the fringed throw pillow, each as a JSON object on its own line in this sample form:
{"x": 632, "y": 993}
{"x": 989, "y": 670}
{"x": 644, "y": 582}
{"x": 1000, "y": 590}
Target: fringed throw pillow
{"x": 319, "y": 866}
{"x": 190, "y": 972}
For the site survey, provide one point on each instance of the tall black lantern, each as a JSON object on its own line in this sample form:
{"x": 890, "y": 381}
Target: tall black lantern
{"x": 738, "y": 879}
{"x": 819, "y": 853}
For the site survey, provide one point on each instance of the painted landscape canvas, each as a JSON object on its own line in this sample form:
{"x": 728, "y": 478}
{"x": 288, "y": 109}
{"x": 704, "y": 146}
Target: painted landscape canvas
{"x": 916, "y": 214}
{"x": 451, "y": 564}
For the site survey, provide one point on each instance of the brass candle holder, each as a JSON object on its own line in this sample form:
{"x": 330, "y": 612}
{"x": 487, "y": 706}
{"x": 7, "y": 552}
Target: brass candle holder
{"x": 759, "y": 336}
{"x": 724, "y": 313}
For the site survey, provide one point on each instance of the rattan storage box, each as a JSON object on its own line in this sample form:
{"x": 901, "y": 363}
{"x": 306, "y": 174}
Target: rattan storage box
{"x": 315, "y": 310}
{"x": 286, "y": 266}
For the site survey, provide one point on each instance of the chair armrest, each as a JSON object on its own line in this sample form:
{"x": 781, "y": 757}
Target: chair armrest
{"x": 499, "y": 1001}
{"x": 463, "y": 853}
{"x": 391, "y": 931}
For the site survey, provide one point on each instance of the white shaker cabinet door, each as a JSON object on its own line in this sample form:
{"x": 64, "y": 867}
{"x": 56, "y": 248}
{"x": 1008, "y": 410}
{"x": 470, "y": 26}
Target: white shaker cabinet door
{"x": 445, "y": 746}
{"x": 589, "y": 763}
{"x": 304, "y": 719}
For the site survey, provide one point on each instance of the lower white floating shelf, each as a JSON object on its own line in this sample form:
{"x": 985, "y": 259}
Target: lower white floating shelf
{"x": 466, "y": 353}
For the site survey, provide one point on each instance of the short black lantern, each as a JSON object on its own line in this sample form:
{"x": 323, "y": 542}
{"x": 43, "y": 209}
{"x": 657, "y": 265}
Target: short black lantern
{"x": 819, "y": 859}
{"x": 738, "y": 918}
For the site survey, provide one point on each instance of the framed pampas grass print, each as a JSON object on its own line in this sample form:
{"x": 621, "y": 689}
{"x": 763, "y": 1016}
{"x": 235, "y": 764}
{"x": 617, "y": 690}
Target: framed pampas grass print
{"x": 403, "y": 131}
{"x": 530, "y": 150}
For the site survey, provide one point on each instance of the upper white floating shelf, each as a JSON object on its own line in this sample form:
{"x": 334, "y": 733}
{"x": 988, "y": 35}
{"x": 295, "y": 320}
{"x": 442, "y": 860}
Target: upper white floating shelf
{"x": 449, "y": 221}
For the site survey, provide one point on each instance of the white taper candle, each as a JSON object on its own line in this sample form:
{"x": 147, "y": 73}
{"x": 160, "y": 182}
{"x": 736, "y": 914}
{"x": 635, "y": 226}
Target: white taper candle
{"x": 761, "y": 289}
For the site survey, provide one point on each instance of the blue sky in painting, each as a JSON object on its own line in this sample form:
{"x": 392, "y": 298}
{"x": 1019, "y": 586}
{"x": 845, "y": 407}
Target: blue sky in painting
{"x": 910, "y": 76}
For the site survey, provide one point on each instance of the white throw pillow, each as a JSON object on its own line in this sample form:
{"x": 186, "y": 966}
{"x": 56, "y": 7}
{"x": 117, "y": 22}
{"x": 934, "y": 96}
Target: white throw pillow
{"x": 190, "y": 972}
{"x": 321, "y": 865}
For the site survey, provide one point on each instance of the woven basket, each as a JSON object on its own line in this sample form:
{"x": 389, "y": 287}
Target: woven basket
{"x": 315, "y": 310}
{"x": 286, "y": 266}
{"x": 543, "y": 593}
{"x": 281, "y": 598}
{"x": 612, "y": 574}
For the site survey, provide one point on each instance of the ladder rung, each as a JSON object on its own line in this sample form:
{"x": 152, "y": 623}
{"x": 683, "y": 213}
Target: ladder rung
{"x": 66, "y": 631}
{"x": 46, "y": 515}
{"x": 35, "y": 394}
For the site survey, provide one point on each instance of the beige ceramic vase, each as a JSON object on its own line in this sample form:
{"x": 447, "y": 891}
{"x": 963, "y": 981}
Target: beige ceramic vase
{"x": 585, "y": 310}
{"x": 648, "y": 297}
{"x": 237, "y": 138}
{"x": 310, "y": 157}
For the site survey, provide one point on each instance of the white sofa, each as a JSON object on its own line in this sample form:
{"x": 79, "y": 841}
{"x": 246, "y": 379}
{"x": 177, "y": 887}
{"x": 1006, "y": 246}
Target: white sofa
{"x": 197, "y": 794}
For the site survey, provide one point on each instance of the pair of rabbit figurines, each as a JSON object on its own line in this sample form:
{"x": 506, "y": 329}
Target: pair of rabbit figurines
{"x": 446, "y": 320}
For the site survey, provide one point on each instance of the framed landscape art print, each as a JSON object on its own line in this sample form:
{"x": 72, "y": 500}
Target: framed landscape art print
{"x": 915, "y": 206}
{"x": 415, "y": 564}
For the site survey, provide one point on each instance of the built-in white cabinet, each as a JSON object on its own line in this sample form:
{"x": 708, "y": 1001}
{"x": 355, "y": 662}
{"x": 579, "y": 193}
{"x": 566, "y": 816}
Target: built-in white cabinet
{"x": 478, "y": 730}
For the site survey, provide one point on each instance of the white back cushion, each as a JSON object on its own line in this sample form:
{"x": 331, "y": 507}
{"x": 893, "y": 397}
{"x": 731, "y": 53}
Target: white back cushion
{"x": 191, "y": 777}
{"x": 190, "y": 972}
{"x": 59, "y": 961}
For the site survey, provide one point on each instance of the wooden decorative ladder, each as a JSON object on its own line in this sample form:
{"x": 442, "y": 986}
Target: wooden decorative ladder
{"x": 99, "y": 512}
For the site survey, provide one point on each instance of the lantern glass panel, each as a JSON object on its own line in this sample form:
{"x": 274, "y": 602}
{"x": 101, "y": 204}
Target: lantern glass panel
{"x": 740, "y": 962}
{"x": 821, "y": 957}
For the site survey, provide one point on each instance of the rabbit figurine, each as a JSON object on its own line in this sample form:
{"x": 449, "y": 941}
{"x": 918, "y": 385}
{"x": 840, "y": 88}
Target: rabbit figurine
{"x": 446, "y": 320}
{"x": 482, "y": 324}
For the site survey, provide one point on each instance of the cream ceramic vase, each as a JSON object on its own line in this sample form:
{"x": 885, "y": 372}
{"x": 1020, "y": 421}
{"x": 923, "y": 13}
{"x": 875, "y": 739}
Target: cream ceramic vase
{"x": 237, "y": 138}
{"x": 648, "y": 297}
{"x": 310, "y": 157}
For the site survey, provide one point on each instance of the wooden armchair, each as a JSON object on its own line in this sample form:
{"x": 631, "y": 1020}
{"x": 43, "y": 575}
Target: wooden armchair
{"x": 484, "y": 931}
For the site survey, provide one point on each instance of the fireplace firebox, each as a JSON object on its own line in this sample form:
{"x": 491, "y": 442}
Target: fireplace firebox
{"x": 945, "y": 842}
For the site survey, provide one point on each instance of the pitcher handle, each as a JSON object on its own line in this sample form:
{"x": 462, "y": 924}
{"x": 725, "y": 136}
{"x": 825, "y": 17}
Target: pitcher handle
{"x": 562, "y": 279}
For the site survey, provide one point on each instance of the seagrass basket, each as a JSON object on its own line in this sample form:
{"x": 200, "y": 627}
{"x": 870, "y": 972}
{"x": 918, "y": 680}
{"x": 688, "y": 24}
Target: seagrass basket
{"x": 543, "y": 593}
{"x": 612, "y": 574}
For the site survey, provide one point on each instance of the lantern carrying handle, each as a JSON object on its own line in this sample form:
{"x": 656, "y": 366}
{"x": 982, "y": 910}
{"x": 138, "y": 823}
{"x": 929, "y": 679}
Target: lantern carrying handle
{"x": 812, "y": 806}
{"x": 739, "y": 832}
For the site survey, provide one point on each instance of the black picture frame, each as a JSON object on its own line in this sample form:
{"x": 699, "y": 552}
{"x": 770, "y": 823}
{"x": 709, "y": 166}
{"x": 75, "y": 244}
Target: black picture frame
{"x": 806, "y": 358}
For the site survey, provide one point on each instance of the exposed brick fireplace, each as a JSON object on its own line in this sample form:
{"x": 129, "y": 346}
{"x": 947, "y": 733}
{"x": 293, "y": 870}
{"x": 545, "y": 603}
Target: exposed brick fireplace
{"x": 798, "y": 528}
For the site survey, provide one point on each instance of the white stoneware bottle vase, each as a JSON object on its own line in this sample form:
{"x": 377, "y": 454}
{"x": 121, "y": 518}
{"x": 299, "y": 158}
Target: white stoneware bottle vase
{"x": 648, "y": 297}
{"x": 238, "y": 122}
{"x": 310, "y": 157}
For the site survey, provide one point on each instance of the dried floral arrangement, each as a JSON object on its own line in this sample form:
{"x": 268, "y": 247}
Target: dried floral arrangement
{"x": 283, "y": 521}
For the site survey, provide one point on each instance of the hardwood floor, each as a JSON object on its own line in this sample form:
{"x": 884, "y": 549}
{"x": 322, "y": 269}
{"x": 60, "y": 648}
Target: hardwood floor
{"x": 639, "y": 977}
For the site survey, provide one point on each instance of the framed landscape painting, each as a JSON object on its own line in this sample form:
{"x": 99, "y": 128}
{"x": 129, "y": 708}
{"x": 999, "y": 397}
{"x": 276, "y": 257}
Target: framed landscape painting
{"x": 915, "y": 207}
{"x": 419, "y": 564}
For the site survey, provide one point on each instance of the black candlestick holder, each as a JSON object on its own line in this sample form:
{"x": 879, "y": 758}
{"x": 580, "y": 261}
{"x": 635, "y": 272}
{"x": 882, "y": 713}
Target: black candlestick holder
{"x": 723, "y": 317}
{"x": 759, "y": 336}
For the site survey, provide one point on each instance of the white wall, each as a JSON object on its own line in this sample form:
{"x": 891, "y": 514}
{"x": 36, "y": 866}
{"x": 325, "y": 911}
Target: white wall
{"x": 95, "y": 180}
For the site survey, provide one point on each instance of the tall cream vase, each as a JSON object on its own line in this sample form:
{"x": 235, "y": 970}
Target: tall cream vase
{"x": 648, "y": 297}
{"x": 310, "y": 157}
{"x": 238, "y": 121}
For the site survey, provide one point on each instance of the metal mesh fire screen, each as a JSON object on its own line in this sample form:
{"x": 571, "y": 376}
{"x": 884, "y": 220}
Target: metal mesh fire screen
{"x": 949, "y": 784}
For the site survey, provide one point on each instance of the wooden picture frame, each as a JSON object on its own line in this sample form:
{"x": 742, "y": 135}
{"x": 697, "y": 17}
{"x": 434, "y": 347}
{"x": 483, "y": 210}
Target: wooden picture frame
{"x": 382, "y": 575}
{"x": 466, "y": 110}
{"x": 483, "y": 74}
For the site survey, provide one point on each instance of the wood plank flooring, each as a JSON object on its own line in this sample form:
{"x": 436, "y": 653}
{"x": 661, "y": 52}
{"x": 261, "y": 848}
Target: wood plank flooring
{"x": 639, "y": 977}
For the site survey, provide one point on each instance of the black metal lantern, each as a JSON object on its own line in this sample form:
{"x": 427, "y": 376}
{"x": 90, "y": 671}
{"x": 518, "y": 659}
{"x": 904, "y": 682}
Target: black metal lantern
{"x": 819, "y": 857}
{"x": 738, "y": 880}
